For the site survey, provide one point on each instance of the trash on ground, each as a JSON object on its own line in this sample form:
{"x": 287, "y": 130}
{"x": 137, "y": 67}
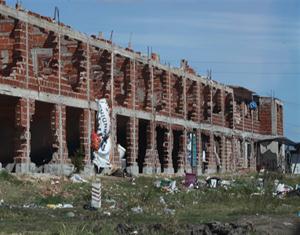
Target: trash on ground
{"x": 102, "y": 151}
{"x": 190, "y": 180}
{"x": 168, "y": 211}
{"x": 213, "y": 182}
{"x": 162, "y": 200}
{"x": 70, "y": 214}
{"x": 75, "y": 178}
{"x": 166, "y": 185}
{"x": 106, "y": 213}
{"x": 59, "y": 205}
{"x": 137, "y": 210}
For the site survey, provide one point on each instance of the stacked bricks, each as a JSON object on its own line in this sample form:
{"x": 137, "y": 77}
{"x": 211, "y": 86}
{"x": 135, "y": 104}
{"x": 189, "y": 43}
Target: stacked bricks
{"x": 22, "y": 127}
{"x": 100, "y": 73}
{"x": 161, "y": 92}
{"x": 143, "y": 87}
{"x": 55, "y": 123}
{"x": 177, "y": 103}
{"x": 265, "y": 109}
{"x": 218, "y": 107}
{"x": 228, "y": 110}
{"x": 73, "y": 54}
{"x": 122, "y": 81}
{"x": 151, "y": 157}
{"x": 206, "y": 103}
{"x": 43, "y": 66}
{"x": 192, "y": 97}
{"x": 132, "y": 148}
{"x": 279, "y": 119}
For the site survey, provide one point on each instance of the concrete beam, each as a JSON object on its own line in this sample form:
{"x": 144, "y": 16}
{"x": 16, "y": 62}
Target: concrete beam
{"x": 64, "y": 30}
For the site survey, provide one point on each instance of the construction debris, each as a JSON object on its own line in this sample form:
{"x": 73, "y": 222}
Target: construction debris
{"x": 101, "y": 155}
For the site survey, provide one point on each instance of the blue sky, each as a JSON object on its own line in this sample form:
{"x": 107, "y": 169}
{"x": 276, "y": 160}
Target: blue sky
{"x": 251, "y": 43}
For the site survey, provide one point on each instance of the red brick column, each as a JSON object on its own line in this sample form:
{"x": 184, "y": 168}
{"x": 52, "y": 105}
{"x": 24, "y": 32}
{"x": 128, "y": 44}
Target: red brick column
{"x": 151, "y": 162}
{"x": 22, "y": 140}
{"x": 55, "y": 123}
{"x": 168, "y": 147}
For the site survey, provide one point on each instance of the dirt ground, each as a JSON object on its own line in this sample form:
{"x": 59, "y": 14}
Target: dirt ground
{"x": 137, "y": 206}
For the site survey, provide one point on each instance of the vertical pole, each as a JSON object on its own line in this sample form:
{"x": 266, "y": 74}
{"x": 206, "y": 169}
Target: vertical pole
{"x": 89, "y": 101}
{"x": 61, "y": 150}
{"x": 112, "y": 107}
{"x": 134, "y": 117}
{"x": 27, "y": 102}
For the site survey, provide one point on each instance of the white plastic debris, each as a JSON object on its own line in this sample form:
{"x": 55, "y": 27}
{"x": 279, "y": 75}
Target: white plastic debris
{"x": 101, "y": 156}
{"x": 162, "y": 200}
{"x": 75, "y": 178}
{"x": 168, "y": 211}
{"x": 137, "y": 210}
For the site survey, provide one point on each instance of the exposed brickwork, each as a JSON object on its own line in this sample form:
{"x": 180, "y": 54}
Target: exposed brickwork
{"x": 66, "y": 67}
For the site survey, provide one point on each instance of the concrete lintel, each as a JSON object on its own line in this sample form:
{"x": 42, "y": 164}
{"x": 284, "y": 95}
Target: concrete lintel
{"x": 53, "y": 26}
{"x": 189, "y": 124}
{"x": 45, "y": 97}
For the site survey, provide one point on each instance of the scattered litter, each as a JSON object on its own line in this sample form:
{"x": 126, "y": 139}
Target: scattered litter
{"x": 225, "y": 184}
{"x": 113, "y": 206}
{"x": 287, "y": 224}
{"x": 89, "y": 207}
{"x": 70, "y": 214}
{"x": 168, "y": 211}
{"x": 60, "y": 205}
{"x": 162, "y": 200}
{"x": 213, "y": 182}
{"x": 75, "y": 178}
{"x": 190, "y": 180}
{"x": 166, "y": 185}
{"x": 137, "y": 210}
{"x": 107, "y": 213}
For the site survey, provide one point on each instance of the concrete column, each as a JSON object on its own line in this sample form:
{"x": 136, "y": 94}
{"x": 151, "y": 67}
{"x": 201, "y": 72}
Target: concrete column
{"x": 168, "y": 144}
{"x": 24, "y": 111}
{"x": 132, "y": 149}
{"x": 199, "y": 152}
{"x": 151, "y": 163}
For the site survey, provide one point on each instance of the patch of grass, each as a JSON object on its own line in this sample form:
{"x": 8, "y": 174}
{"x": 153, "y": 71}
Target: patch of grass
{"x": 6, "y": 176}
{"x": 56, "y": 199}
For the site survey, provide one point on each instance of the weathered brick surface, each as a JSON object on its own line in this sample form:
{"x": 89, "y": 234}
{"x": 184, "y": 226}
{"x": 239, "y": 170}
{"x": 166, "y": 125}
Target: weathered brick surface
{"x": 60, "y": 65}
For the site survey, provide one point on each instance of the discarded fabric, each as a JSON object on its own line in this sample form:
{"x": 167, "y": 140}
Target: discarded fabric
{"x": 101, "y": 154}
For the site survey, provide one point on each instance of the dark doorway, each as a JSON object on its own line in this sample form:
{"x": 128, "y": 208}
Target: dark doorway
{"x": 41, "y": 134}
{"x": 144, "y": 126}
{"x": 7, "y": 129}
{"x": 73, "y": 116}
{"x": 176, "y": 148}
{"x": 122, "y": 134}
{"x": 161, "y": 149}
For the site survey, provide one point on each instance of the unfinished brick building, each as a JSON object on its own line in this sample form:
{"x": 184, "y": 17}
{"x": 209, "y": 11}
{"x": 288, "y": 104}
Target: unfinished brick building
{"x": 50, "y": 76}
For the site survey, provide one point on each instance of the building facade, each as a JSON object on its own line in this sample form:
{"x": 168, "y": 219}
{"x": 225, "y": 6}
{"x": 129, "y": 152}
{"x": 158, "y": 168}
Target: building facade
{"x": 168, "y": 119}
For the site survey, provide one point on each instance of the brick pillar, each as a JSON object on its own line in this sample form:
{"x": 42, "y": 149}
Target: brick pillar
{"x": 199, "y": 152}
{"x": 84, "y": 133}
{"x": 182, "y": 153}
{"x": 212, "y": 166}
{"x": 223, "y": 154}
{"x": 132, "y": 145}
{"x": 24, "y": 111}
{"x": 115, "y": 157}
{"x": 168, "y": 147}
{"x": 60, "y": 147}
{"x": 151, "y": 162}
